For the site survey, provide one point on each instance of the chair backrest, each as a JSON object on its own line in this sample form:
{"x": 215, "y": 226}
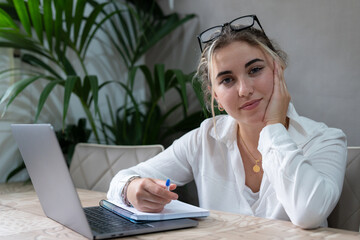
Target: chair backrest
{"x": 94, "y": 165}
{"x": 346, "y": 214}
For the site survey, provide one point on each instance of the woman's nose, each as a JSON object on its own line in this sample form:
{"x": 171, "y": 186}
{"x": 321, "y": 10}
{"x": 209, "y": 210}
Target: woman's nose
{"x": 245, "y": 88}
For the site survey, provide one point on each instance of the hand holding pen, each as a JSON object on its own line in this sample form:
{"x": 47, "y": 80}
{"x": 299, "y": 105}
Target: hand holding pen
{"x": 150, "y": 195}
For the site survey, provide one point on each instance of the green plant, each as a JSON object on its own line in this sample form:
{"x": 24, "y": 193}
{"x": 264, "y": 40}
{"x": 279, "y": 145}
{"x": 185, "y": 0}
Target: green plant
{"x": 61, "y": 29}
{"x": 145, "y": 122}
{"x": 72, "y": 135}
{"x": 47, "y": 32}
{"x": 46, "y": 35}
{"x": 139, "y": 27}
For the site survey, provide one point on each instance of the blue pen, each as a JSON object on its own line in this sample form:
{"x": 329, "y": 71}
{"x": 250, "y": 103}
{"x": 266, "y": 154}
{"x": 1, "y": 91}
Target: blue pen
{"x": 168, "y": 184}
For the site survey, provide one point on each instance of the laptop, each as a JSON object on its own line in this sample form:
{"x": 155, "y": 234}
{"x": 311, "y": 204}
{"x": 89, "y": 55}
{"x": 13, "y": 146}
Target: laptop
{"x": 51, "y": 179}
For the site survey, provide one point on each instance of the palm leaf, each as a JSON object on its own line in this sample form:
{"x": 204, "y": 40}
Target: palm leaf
{"x": 44, "y": 95}
{"x": 98, "y": 26}
{"x": 94, "y": 84}
{"x": 6, "y": 21}
{"x": 48, "y": 22}
{"x": 14, "y": 90}
{"x": 90, "y": 22}
{"x": 69, "y": 16}
{"x": 131, "y": 77}
{"x": 79, "y": 13}
{"x": 69, "y": 87}
{"x": 156, "y": 34}
{"x": 35, "y": 61}
{"x": 20, "y": 41}
{"x": 23, "y": 15}
{"x": 159, "y": 76}
{"x": 18, "y": 169}
{"x": 36, "y": 18}
{"x": 182, "y": 83}
{"x": 58, "y": 30}
{"x": 128, "y": 31}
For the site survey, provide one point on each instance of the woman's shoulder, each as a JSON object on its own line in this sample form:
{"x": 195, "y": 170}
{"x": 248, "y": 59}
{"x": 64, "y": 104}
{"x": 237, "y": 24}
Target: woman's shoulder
{"x": 214, "y": 128}
{"x": 220, "y": 123}
{"x": 309, "y": 128}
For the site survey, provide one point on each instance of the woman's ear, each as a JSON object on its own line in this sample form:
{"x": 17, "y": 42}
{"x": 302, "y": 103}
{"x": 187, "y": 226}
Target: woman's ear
{"x": 212, "y": 92}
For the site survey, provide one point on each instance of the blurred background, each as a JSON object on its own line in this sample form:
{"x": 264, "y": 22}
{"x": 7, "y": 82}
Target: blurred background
{"x": 321, "y": 39}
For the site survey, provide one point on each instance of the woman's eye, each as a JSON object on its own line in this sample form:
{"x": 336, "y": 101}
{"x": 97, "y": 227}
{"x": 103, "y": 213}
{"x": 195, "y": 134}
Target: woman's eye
{"x": 226, "y": 80}
{"x": 255, "y": 70}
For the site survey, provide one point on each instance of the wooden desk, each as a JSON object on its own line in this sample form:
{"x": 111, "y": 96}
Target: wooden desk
{"x": 21, "y": 217}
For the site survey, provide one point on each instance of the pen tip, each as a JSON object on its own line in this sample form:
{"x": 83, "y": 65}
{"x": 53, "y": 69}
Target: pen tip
{"x": 168, "y": 182}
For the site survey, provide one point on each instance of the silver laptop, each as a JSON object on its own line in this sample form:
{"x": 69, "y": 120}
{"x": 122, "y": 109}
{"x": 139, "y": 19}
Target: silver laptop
{"x": 50, "y": 176}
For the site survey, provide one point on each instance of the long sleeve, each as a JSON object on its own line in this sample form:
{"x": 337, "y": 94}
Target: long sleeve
{"x": 173, "y": 163}
{"x": 307, "y": 176}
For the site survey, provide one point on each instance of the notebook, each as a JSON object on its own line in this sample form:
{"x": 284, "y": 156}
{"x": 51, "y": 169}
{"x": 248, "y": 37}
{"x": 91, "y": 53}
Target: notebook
{"x": 50, "y": 176}
{"x": 174, "y": 210}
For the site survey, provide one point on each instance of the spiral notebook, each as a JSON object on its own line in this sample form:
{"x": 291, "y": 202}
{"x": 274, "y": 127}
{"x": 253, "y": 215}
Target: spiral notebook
{"x": 174, "y": 210}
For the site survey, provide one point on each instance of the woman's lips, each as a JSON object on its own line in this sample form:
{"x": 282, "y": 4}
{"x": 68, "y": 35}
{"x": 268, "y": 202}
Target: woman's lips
{"x": 250, "y": 104}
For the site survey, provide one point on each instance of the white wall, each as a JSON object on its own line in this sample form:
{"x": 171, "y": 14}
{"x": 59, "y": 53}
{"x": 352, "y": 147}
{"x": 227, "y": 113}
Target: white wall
{"x": 321, "y": 38}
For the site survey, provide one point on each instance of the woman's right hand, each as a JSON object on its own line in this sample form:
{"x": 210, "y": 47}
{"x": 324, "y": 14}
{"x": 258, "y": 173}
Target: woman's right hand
{"x": 150, "y": 195}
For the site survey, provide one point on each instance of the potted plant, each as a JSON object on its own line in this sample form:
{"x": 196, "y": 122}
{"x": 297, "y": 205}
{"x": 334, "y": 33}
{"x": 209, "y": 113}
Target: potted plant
{"x": 49, "y": 32}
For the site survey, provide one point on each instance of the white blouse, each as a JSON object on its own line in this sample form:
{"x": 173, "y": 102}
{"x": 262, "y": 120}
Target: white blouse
{"x": 304, "y": 169}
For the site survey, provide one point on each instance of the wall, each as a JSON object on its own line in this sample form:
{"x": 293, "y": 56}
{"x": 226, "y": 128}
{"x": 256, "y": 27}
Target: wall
{"x": 322, "y": 41}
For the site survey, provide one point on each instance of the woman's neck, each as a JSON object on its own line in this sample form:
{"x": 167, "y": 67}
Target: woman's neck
{"x": 250, "y": 133}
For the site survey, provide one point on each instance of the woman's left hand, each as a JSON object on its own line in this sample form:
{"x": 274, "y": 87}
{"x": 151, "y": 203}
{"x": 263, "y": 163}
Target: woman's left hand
{"x": 280, "y": 98}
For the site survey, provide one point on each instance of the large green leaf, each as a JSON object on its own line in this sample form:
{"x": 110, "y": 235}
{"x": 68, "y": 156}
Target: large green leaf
{"x": 58, "y": 29}
{"x": 68, "y": 15}
{"x": 45, "y": 94}
{"x": 127, "y": 30}
{"x": 14, "y": 90}
{"x": 91, "y": 120}
{"x": 155, "y": 34}
{"x": 36, "y": 18}
{"x": 131, "y": 77}
{"x": 6, "y": 21}
{"x": 79, "y": 14}
{"x": 23, "y": 15}
{"x": 182, "y": 83}
{"x": 91, "y": 37}
{"x": 160, "y": 78}
{"x": 69, "y": 87}
{"x": 17, "y": 170}
{"x": 20, "y": 41}
{"x": 94, "y": 84}
{"x": 35, "y": 61}
{"x": 48, "y": 22}
{"x": 90, "y": 22}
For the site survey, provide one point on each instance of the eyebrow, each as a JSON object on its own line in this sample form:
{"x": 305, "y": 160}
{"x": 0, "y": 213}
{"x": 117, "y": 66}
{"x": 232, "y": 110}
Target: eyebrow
{"x": 246, "y": 65}
{"x": 253, "y": 61}
{"x": 223, "y": 73}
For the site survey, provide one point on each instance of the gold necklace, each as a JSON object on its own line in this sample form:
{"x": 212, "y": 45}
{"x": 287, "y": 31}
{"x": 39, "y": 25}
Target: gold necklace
{"x": 256, "y": 168}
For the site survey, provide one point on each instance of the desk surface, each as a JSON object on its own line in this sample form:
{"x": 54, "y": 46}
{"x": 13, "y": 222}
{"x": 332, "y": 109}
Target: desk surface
{"x": 21, "y": 217}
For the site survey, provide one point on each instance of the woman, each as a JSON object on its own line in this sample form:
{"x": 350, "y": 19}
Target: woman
{"x": 261, "y": 159}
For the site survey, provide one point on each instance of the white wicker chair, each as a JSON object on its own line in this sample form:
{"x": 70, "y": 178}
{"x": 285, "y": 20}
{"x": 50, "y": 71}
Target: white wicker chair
{"x": 94, "y": 165}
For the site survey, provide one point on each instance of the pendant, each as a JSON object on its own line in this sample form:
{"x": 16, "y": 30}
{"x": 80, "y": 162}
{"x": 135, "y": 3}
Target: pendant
{"x": 256, "y": 168}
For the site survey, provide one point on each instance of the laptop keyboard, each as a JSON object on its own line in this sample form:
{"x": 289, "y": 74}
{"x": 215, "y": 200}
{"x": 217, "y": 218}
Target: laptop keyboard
{"x": 104, "y": 221}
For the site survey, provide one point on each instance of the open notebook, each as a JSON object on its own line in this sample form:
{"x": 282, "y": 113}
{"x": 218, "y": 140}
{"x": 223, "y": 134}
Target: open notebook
{"x": 174, "y": 210}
